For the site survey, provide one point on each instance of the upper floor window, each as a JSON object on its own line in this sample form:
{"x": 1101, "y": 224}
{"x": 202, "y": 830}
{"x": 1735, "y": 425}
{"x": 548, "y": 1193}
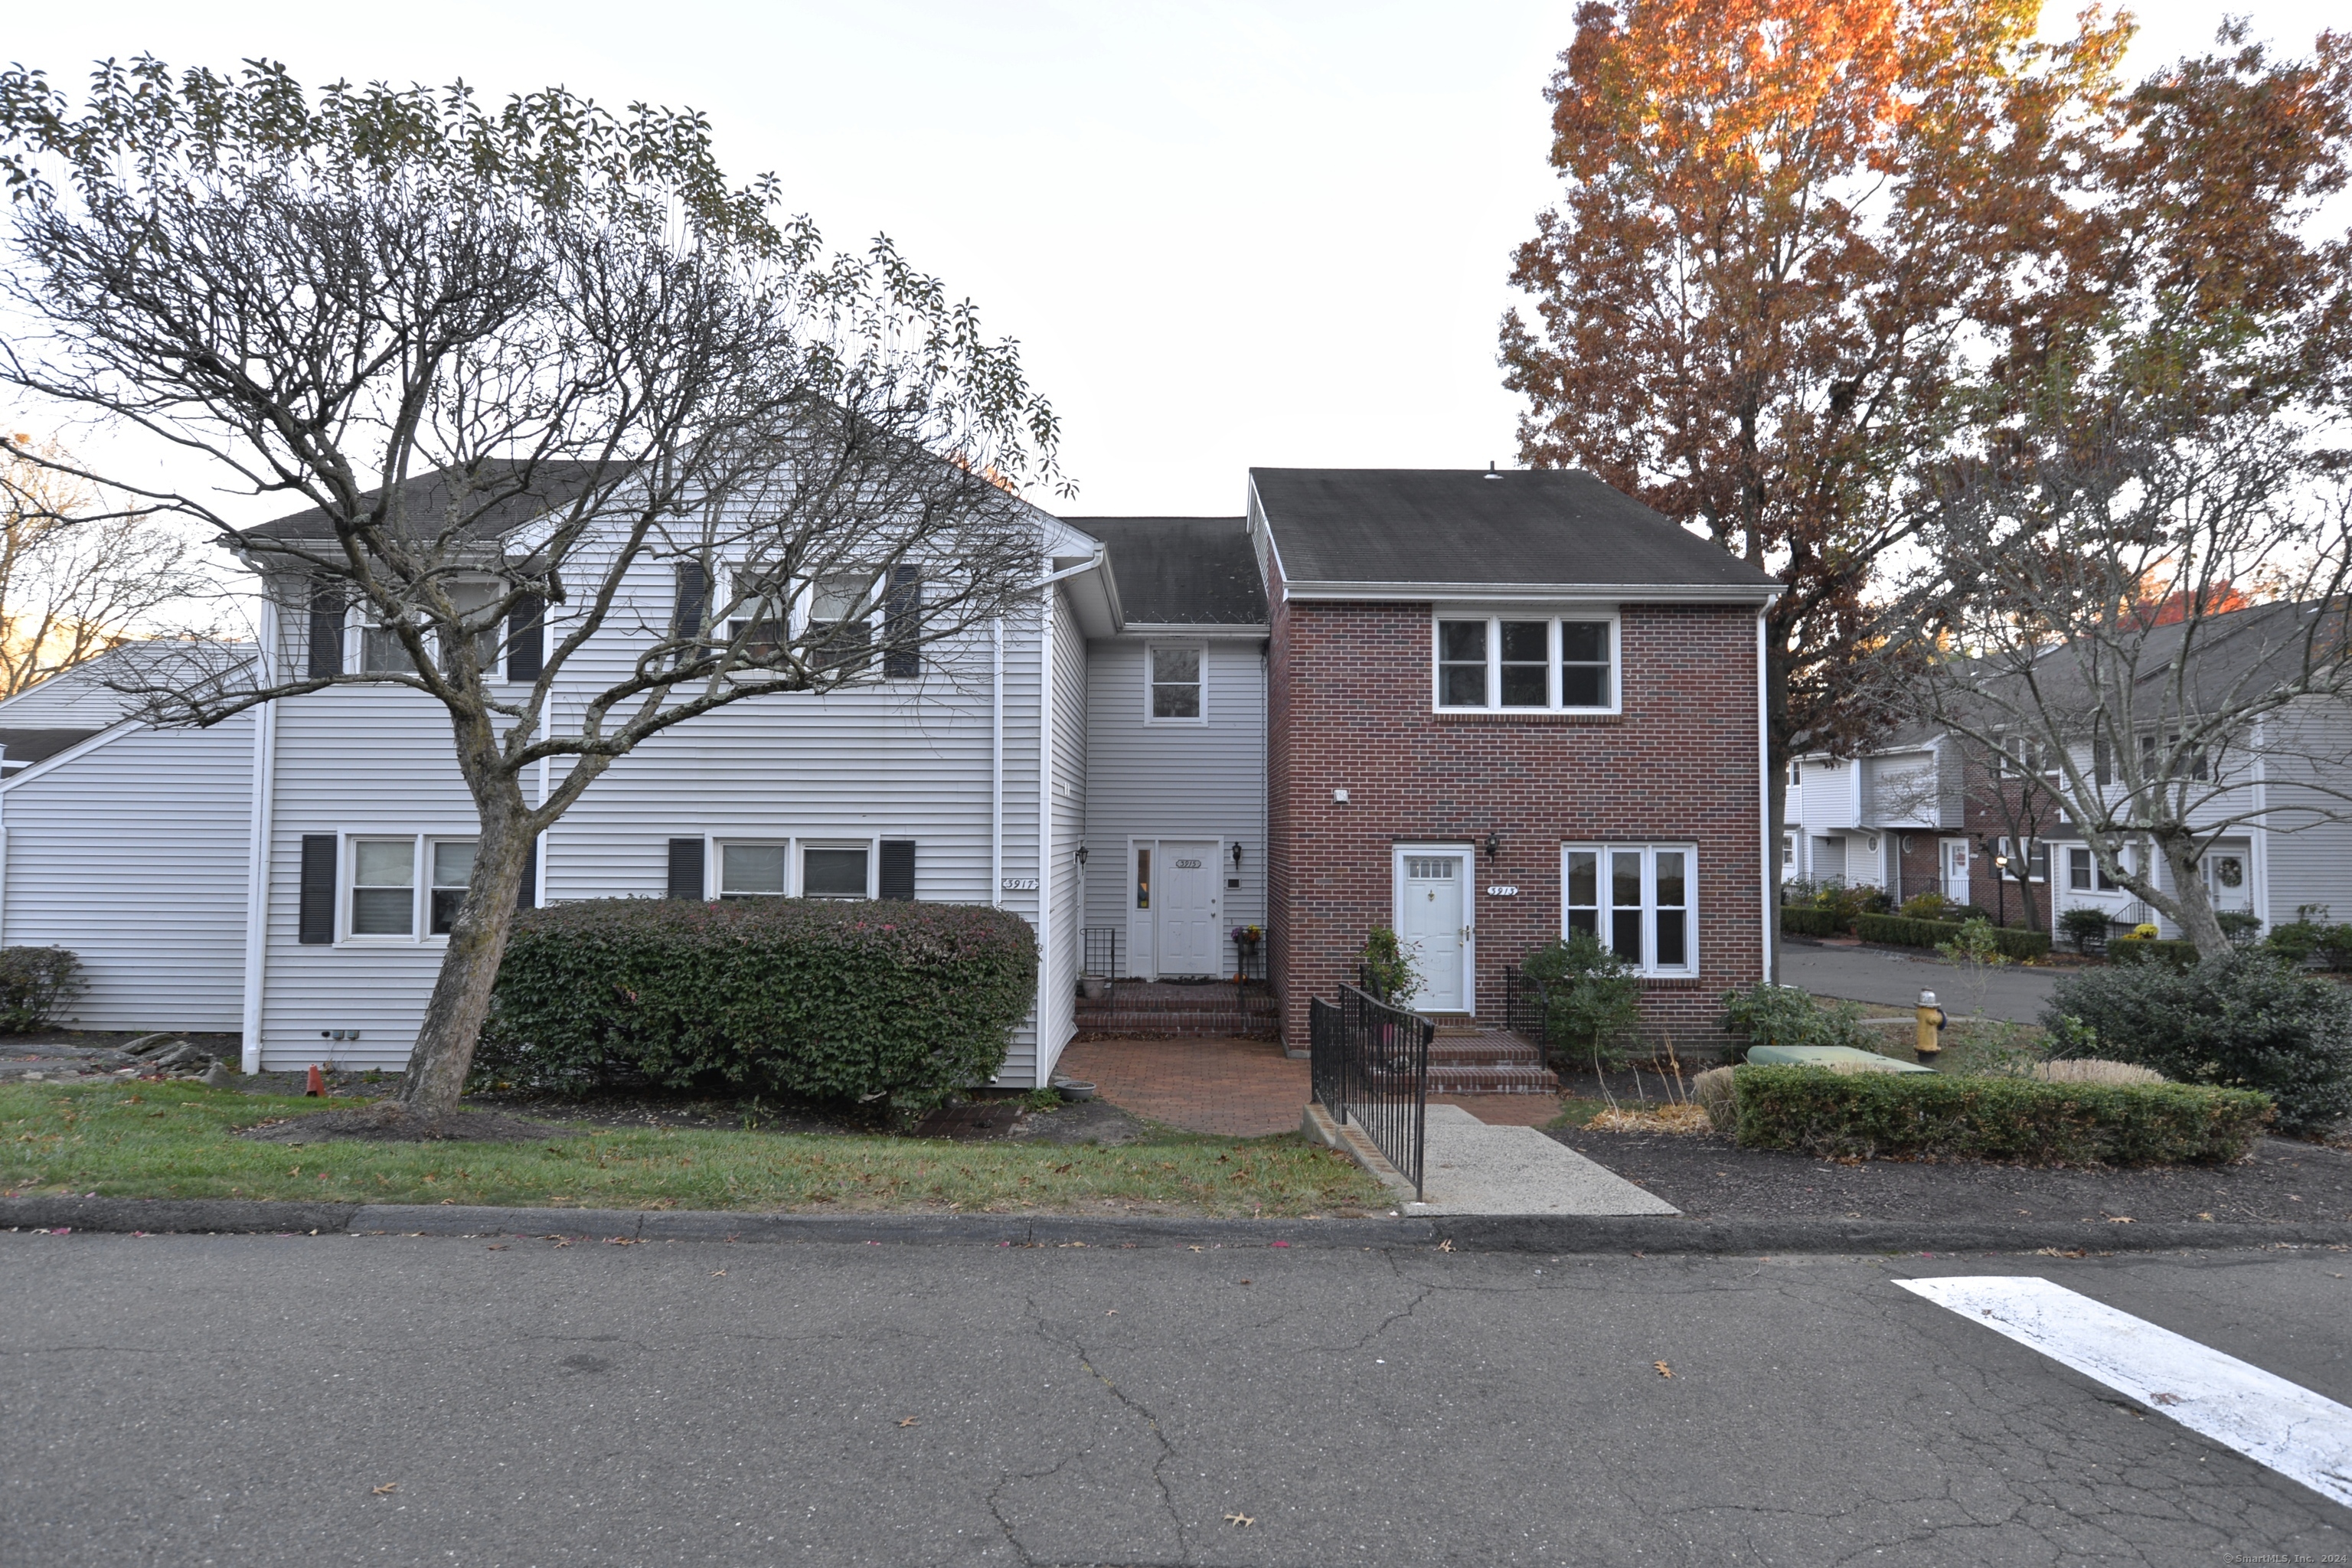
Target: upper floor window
{"x": 1507, "y": 664}
{"x": 1175, "y": 683}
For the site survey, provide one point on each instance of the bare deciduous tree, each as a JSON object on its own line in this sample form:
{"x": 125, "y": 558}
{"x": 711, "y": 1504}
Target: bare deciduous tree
{"x": 556, "y": 396}
{"x": 2156, "y": 725}
{"x": 78, "y": 578}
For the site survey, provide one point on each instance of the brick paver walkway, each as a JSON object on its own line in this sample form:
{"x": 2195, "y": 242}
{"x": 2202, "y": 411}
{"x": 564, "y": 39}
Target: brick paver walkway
{"x": 1244, "y": 1088}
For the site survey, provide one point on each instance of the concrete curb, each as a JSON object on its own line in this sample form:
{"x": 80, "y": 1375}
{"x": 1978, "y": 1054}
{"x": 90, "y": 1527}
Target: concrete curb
{"x": 1645, "y": 1234}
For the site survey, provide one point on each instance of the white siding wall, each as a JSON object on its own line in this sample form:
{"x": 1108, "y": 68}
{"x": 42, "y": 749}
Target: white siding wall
{"x": 132, "y": 855}
{"x": 1174, "y": 781}
{"x": 78, "y": 699}
{"x": 1069, "y": 809}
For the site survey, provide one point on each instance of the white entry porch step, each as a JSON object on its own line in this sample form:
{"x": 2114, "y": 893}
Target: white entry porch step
{"x": 1470, "y": 1167}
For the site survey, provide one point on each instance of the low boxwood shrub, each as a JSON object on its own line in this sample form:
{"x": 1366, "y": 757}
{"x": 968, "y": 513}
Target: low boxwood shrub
{"x": 2241, "y": 1020}
{"x": 1798, "y": 919}
{"x": 815, "y": 998}
{"x": 35, "y": 981}
{"x": 1826, "y": 1114}
{"x": 2164, "y": 951}
{"x": 1902, "y": 931}
{"x": 1770, "y": 1015}
{"x": 2309, "y": 936}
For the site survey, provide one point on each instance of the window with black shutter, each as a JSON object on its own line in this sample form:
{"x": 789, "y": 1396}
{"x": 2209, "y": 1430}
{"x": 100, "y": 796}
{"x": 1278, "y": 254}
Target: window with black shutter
{"x": 686, "y": 869}
{"x": 526, "y": 622}
{"x": 902, "y": 631}
{"x": 326, "y": 651}
{"x": 693, "y": 603}
{"x": 897, "y": 869}
{"x": 316, "y": 925}
{"x": 527, "y": 891}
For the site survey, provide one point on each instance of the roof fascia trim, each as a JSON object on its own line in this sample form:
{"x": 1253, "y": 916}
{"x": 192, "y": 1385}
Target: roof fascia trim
{"x": 1196, "y": 628}
{"x": 1519, "y": 592}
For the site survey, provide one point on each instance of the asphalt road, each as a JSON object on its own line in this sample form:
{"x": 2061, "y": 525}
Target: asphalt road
{"x": 256, "y": 1401}
{"x": 1894, "y": 980}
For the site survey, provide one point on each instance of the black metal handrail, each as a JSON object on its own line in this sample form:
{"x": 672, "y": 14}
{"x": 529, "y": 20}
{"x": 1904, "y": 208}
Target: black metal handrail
{"x": 1524, "y": 1012}
{"x": 1099, "y": 950}
{"x": 1371, "y": 1061}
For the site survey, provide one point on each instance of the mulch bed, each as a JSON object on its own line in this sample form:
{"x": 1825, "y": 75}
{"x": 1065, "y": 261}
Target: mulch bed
{"x": 1706, "y": 1174}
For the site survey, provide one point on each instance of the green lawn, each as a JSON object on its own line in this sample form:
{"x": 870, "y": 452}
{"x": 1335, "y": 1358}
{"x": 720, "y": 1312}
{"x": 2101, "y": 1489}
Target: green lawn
{"x": 177, "y": 1141}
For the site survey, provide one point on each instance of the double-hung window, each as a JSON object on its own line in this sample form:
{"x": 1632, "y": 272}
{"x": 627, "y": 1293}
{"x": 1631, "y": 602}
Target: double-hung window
{"x": 2036, "y": 856}
{"x": 1173, "y": 682}
{"x": 1639, "y": 899}
{"x": 401, "y": 887}
{"x": 1511, "y": 664}
{"x": 836, "y": 871}
{"x": 841, "y": 631}
{"x": 452, "y": 862}
{"x": 754, "y": 870}
{"x": 2085, "y": 875}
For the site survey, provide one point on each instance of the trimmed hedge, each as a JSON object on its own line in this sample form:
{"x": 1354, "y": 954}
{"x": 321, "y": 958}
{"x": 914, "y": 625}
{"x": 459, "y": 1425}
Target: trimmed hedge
{"x": 1825, "y": 1114}
{"x": 816, "y": 998}
{"x": 1901, "y": 930}
{"x": 2180, "y": 955}
{"x": 1799, "y": 920}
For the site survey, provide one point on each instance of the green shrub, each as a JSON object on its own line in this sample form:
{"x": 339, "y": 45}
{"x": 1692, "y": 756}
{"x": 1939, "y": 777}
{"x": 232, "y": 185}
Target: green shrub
{"x": 1769, "y": 1014}
{"x": 1930, "y": 905}
{"x": 35, "y": 981}
{"x": 2241, "y": 926}
{"x": 2239, "y": 1020}
{"x": 2163, "y": 952}
{"x": 1591, "y": 998}
{"x": 1826, "y": 1114}
{"x": 2084, "y": 925}
{"x": 2310, "y": 936}
{"x": 1798, "y": 919}
{"x": 1388, "y": 965}
{"x": 824, "y": 1000}
{"x": 1901, "y": 930}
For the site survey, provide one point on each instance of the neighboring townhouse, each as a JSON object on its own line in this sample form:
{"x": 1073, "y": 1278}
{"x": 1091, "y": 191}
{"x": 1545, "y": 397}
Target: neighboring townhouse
{"x": 1925, "y": 811}
{"x": 1504, "y": 706}
{"x": 1482, "y": 708}
{"x": 130, "y": 847}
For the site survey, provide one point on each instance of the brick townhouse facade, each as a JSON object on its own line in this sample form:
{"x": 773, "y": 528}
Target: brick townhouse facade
{"x": 1500, "y": 706}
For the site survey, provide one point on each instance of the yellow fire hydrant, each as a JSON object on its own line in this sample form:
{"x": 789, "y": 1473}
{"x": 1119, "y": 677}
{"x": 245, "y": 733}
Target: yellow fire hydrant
{"x": 1928, "y": 1038}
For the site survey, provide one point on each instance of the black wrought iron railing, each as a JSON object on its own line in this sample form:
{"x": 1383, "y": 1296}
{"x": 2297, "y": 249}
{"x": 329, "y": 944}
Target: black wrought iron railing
{"x": 1523, "y": 1011}
{"x": 1099, "y": 950}
{"x": 1371, "y": 1065}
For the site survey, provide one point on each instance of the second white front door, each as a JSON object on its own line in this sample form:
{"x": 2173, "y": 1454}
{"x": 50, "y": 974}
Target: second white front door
{"x": 1433, "y": 925}
{"x": 2228, "y": 875}
{"x": 1956, "y": 869}
{"x": 1185, "y": 909}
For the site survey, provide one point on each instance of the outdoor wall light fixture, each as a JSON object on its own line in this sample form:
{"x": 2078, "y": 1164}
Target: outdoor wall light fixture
{"x": 1237, "y": 856}
{"x": 1082, "y": 854}
{"x": 1494, "y": 844}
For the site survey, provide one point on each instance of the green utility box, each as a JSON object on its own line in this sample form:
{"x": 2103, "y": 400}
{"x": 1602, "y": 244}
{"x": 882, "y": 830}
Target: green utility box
{"x": 1844, "y": 1057}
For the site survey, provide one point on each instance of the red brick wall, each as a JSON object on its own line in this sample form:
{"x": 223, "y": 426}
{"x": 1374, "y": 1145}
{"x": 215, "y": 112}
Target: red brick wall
{"x": 1350, "y": 708}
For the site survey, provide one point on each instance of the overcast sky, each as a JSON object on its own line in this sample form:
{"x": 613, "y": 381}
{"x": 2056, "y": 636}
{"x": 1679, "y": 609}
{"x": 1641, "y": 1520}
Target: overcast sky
{"x": 1226, "y": 234}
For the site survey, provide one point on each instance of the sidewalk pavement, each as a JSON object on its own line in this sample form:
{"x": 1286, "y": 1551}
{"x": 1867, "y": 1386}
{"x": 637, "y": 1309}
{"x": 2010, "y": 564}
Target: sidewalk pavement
{"x": 1240, "y": 1087}
{"x": 1895, "y": 979}
{"x": 1472, "y": 1168}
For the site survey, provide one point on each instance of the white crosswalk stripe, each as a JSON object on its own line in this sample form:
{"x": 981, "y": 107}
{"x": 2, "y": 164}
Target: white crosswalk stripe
{"x": 2301, "y": 1434}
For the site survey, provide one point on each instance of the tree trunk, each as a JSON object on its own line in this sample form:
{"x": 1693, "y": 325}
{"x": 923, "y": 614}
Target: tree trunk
{"x": 2194, "y": 910}
{"x": 444, "y": 1054}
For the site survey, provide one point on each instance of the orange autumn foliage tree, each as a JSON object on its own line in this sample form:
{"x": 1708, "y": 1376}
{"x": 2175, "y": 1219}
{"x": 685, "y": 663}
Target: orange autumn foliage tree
{"x": 1808, "y": 250}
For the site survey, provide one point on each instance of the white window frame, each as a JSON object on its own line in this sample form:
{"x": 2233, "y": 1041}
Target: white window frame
{"x": 872, "y": 846}
{"x": 420, "y": 889}
{"x": 2014, "y": 848}
{"x": 1649, "y": 968}
{"x": 2100, "y": 886}
{"x": 359, "y": 619}
{"x": 714, "y": 875}
{"x": 1151, "y": 651}
{"x": 1552, "y": 617}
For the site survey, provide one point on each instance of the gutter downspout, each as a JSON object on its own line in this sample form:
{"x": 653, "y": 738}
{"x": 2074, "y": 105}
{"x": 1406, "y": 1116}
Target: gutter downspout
{"x": 1771, "y": 889}
{"x": 1044, "y": 802}
{"x": 257, "y": 887}
{"x": 996, "y": 763}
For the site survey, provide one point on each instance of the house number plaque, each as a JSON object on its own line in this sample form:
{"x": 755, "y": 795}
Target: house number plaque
{"x": 1188, "y": 864}
{"x": 1020, "y": 884}
{"x": 1503, "y": 891}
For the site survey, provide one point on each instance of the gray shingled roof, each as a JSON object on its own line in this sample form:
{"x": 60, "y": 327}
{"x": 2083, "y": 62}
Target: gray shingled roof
{"x": 1460, "y": 528}
{"x": 503, "y": 498}
{"x": 1181, "y": 571}
{"x": 22, "y": 748}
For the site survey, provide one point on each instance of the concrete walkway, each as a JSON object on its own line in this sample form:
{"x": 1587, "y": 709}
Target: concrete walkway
{"x": 1474, "y": 1167}
{"x": 1895, "y": 979}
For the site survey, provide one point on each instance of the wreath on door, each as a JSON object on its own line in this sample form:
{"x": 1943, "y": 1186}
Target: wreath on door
{"x": 2230, "y": 871}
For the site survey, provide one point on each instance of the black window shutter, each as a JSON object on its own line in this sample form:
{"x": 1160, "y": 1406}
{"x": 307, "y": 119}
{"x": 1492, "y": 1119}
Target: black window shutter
{"x": 525, "y": 625}
{"x": 686, "y": 869}
{"x": 317, "y": 924}
{"x": 326, "y": 654}
{"x": 897, "y": 869}
{"x": 693, "y": 600}
{"x": 527, "y": 893}
{"x": 902, "y": 628}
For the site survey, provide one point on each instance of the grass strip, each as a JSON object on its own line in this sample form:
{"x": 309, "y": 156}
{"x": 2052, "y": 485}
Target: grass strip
{"x": 179, "y": 1141}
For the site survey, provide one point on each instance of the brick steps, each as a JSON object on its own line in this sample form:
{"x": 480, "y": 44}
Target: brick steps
{"x": 1470, "y": 1060}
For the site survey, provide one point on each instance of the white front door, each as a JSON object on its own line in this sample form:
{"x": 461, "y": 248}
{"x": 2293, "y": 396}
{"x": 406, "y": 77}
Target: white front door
{"x": 1185, "y": 907}
{"x": 1956, "y": 869}
{"x": 1431, "y": 926}
{"x": 2230, "y": 875}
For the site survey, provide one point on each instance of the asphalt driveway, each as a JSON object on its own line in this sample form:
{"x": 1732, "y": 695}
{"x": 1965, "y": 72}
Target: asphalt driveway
{"x": 1895, "y": 979}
